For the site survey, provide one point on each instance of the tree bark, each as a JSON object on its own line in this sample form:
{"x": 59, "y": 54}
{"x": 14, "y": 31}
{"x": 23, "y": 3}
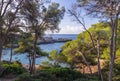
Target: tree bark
{"x": 86, "y": 62}
{"x": 113, "y": 47}
{"x": 111, "y": 64}
{"x": 98, "y": 58}
{"x": 34, "y": 54}
{"x": 1, "y": 68}
{"x": 1, "y": 46}
{"x": 83, "y": 24}
{"x": 30, "y": 64}
{"x": 11, "y": 51}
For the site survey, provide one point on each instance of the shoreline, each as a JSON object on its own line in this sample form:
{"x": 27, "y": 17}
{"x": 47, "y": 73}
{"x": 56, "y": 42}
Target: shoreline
{"x": 48, "y": 40}
{"x": 26, "y": 66}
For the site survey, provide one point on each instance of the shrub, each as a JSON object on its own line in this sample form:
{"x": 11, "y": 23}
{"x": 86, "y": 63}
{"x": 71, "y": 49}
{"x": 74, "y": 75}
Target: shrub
{"x": 24, "y": 77}
{"x": 15, "y": 68}
{"x": 56, "y": 74}
{"x": 64, "y": 73}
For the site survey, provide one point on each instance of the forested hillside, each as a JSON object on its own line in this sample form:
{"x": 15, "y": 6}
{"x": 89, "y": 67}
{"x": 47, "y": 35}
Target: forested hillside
{"x": 80, "y": 53}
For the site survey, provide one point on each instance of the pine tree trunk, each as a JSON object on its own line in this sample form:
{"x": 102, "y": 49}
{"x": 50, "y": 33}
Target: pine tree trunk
{"x": 11, "y": 51}
{"x": 30, "y": 65}
{"x": 34, "y": 54}
{"x": 1, "y": 68}
{"x": 98, "y": 58}
{"x": 113, "y": 47}
{"x": 1, "y": 47}
{"x": 86, "y": 62}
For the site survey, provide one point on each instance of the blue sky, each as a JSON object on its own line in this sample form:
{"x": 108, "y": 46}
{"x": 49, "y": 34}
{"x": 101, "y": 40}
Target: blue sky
{"x": 67, "y": 25}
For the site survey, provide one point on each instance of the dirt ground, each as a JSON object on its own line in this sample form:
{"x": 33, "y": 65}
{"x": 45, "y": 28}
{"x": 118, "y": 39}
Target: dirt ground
{"x": 94, "y": 68}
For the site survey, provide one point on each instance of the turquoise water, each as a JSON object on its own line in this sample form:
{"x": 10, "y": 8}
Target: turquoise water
{"x": 45, "y": 47}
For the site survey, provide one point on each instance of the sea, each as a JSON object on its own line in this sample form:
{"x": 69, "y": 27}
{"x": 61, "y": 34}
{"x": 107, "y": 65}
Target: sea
{"x": 22, "y": 57}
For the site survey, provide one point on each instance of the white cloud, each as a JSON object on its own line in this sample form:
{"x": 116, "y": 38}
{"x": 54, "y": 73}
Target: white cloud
{"x": 70, "y": 30}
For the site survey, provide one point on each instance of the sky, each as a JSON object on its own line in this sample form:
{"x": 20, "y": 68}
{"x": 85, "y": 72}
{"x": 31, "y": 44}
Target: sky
{"x": 67, "y": 25}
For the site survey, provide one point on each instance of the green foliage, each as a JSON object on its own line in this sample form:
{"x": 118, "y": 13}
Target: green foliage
{"x": 93, "y": 78}
{"x": 105, "y": 54}
{"x": 24, "y": 77}
{"x": 39, "y": 52}
{"x": 65, "y": 72}
{"x": 56, "y": 57}
{"x": 46, "y": 65}
{"x": 15, "y": 68}
{"x": 73, "y": 57}
{"x": 55, "y": 60}
{"x": 52, "y": 74}
{"x": 45, "y": 18}
{"x": 83, "y": 44}
{"x": 26, "y": 45}
{"x": 56, "y": 74}
{"x": 116, "y": 76}
{"x": 117, "y": 70}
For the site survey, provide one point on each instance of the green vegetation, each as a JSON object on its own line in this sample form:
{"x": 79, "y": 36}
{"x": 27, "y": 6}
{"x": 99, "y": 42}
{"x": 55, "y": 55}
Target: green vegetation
{"x": 12, "y": 68}
{"x": 55, "y": 74}
{"x": 27, "y": 18}
{"x": 74, "y": 56}
{"x": 24, "y": 22}
{"x": 76, "y": 53}
{"x": 83, "y": 44}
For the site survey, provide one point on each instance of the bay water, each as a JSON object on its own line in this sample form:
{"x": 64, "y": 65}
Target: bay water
{"x": 22, "y": 57}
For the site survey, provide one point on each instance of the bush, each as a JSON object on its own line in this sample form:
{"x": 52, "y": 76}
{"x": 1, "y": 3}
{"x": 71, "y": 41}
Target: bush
{"x": 62, "y": 73}
{"x": 24, "y": 77}
{"x": 56, "y": 74}
{"x": 116, "y": 76}
{"x": 15, "y": 68}
{"x": 65, "y": 72}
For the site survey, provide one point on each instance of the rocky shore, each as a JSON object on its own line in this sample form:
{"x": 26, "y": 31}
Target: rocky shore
{"x": 47, "y": 40}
